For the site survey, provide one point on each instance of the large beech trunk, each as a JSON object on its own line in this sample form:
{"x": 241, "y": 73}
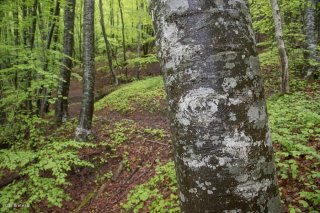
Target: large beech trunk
{"x": 223, "y": 149}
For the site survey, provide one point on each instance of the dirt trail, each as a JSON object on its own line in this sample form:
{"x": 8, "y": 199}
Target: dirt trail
{"x": 134, "y": 161}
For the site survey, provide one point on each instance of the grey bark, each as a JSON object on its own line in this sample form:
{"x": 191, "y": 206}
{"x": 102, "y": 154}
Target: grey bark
{"x": 84, "y": 129}
{"x": 140, "y": 10}
{"x": 65, "y": 71}
{"x": 222, "y": 142}
{"x": 285, "y": 88}
{"x": 311, "y": 41}
{"x": 123, "y": 39}
{"x": 108, "y": 45}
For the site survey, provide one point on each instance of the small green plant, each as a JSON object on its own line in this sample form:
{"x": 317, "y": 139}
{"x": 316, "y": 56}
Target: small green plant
{"x": 120, "y": 132}
{"x": 165, "y": 200}
{"x": 158, "y": 133}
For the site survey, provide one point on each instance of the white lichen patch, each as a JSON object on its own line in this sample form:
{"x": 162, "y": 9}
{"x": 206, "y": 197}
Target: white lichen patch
{"x": 233, "y": 211}
{"x": 254, "y": 65}
{"x": 197, "y": 106}
{"x": 200, "y": 144}
{"x": 197, "y": 161}
{"x": 177, "y": 5}
{"x": 257, "y": 115}
{"x": 170, "y": 43}
{"x": 242, "y": 178}
{"x": 229, "y": 83}
{"x": 193, "y": 191}
{"x": 209, "y": 192}
{"x": 268, "y": 137}
{"x": 182, "y": 197}
{"x": 237, "y": 145}
{"x": 251, "y": 189}
{"x": 232, "y": 116}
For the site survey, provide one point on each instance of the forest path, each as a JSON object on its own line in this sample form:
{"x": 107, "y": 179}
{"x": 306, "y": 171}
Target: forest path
{"x": 130, "y": 146}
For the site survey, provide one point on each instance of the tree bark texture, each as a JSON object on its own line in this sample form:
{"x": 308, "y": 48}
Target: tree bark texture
{"x": 84, "y": 128}
{"x": 311, "y": 42}
{"x": 65, "y": 72}
{"x": 108, "y": 45}
{"x": 223, "y": 149}
{"x": 281, "y": 46}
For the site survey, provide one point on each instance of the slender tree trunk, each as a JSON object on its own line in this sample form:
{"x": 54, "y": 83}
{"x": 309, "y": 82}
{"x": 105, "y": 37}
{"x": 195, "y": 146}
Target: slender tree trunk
{"x": 281, "y": 47}
{"x": 24, "y": 17}
{"x": 311, "y": 42}
{"x": 123, "y": 39}
{"x": 44, "y": 101}
{"x": 34, "y": 24}
{"x": 80, "y": 34}
{"x": 16, "y": 42}
{"x": 65, "y": 72}
{"x": 84, "y": 128}
{"x": 223, "y": 149}
{"x": 108, "y": 45}
{"x": 140, "y": 10}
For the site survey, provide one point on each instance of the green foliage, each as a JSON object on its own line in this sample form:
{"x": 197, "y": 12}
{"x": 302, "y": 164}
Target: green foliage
{"x": 141, "y": 62}
{"x": 43, "y": 173}
{"x": 158, "y": 133}
{"x": 145, "y": 94}
{"x": 159, "y": 192}
{"x": 295, "y": 124}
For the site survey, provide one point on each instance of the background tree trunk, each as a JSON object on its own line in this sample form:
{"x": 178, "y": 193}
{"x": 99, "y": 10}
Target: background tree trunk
{"x": 84, "y": 128}
{"x": 65, "y": 72}
{"x": 311, "y": 42}
{"x": 285, "y": 88}
{"x": 108, "y": 45}
{"x": 223, "y": 148}
{"x": 44, "y": 104}
{"x": 123, "y": 39}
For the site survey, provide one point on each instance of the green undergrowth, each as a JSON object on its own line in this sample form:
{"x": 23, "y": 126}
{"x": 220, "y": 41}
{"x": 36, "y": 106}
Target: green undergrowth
{"x": 42, "y": 171}
{"x": 295, "y": 124}
{"x": 159, "y": 194}
{"x": 145, "y": 94}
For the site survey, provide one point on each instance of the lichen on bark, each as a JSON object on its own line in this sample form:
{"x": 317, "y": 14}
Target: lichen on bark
{"x": 223, "y": 150}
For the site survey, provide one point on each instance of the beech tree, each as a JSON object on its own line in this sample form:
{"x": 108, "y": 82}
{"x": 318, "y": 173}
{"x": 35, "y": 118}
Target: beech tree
{"x": 311, "y": 41}
{"x": 65, "y": 72}
{"x": 223, "y": 149}
{"x": 85, "y": 121}
{"x": 281, "y": 47}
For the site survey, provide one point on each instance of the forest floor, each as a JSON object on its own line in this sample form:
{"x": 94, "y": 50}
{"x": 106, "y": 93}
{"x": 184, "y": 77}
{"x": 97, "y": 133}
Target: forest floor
{"x": 130, "y": 145}
{"x": 133, "y": 139}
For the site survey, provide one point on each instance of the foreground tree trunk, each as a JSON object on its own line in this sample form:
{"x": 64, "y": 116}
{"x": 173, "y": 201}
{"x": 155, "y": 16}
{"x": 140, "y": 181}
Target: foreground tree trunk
{"x": 311, "y": 41}
{"x": 65, "y": 72}
{"x": 223, "y": 148}
{"x": 281, "y": 47}
{"x": 84, "y": 128}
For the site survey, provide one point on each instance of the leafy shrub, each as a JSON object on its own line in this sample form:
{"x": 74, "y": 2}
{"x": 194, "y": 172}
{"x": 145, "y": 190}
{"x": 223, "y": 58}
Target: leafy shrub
{"x": 42, "y": 174}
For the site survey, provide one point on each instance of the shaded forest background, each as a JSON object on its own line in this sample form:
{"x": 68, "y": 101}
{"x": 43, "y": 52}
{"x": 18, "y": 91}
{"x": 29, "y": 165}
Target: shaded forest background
{"x": 127, "y": 163}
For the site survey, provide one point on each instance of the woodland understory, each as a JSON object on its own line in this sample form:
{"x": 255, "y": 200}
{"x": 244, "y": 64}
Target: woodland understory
{"x": 126, "y": 163}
